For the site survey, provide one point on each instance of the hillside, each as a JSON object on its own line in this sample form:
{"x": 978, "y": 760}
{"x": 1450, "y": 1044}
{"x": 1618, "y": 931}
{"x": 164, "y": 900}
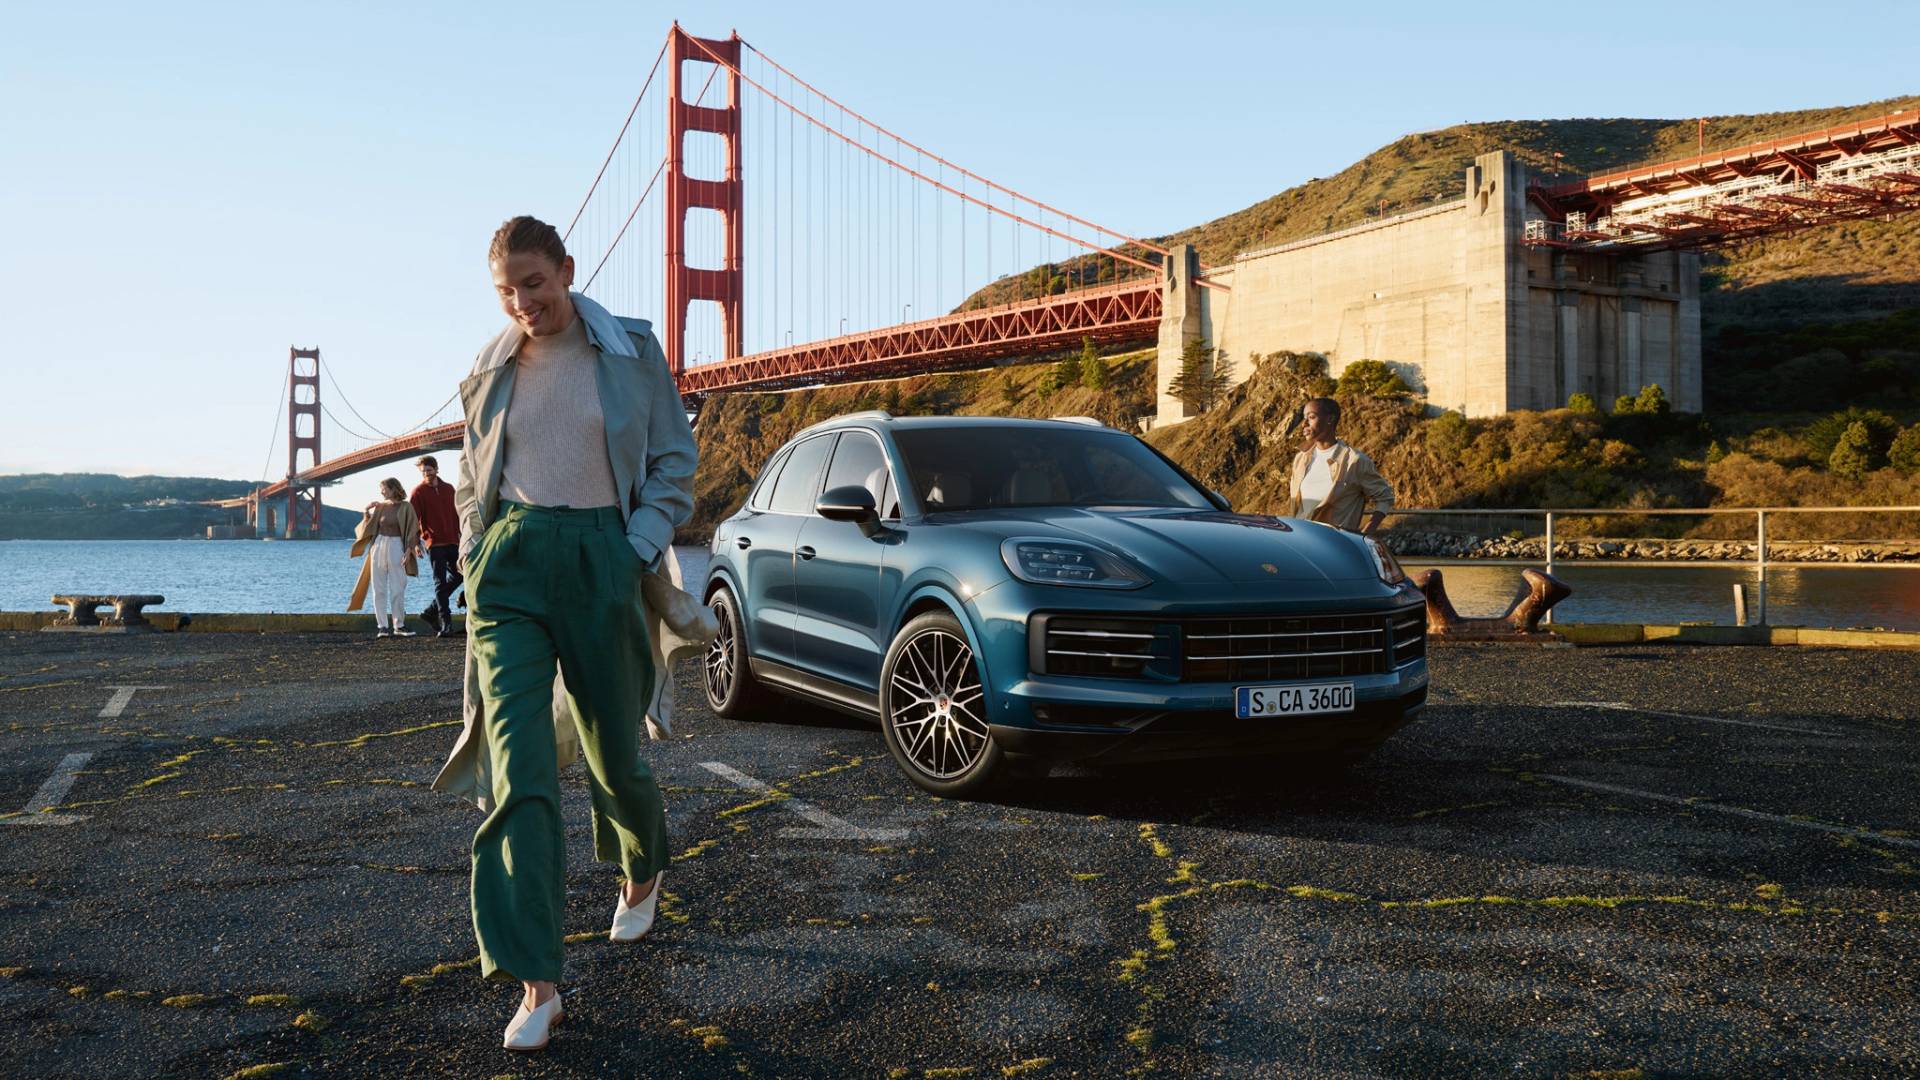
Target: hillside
{"x": 1752, "y": 296}
{"x": 102, "y": 506}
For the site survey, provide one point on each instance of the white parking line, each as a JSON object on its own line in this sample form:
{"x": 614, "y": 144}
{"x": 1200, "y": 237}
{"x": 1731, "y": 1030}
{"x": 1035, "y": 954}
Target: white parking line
{"x": 1736, "y": 811}
{"x": 51, "y": 793}
{"x": 1621, "y": 706}
{"x": 830, "y": 827}
{"x": 117, "y": 704}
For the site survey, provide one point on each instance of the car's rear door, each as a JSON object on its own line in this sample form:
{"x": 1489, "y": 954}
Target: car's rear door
{"x": 838, "y": 627}
{"x": 766, "y": 542}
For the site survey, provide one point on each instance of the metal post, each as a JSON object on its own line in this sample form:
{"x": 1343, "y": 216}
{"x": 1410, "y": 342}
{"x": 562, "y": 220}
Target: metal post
{"x": 1739, "y": 604}
{"x": 1548, "y": 617}
{"x": 1760, "y": 560}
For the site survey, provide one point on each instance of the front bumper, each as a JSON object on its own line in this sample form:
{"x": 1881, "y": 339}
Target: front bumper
{"x": 1075, "y": 718}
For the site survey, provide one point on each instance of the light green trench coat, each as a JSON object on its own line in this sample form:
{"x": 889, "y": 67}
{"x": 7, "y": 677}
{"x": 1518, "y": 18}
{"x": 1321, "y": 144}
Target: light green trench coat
{"x": 651, "y": 449}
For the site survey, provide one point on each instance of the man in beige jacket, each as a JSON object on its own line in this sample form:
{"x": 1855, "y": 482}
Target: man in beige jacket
{"x": 1332, "y": 482}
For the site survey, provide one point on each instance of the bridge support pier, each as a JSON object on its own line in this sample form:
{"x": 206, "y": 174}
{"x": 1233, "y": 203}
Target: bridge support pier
{"x": 1183, "y": 319}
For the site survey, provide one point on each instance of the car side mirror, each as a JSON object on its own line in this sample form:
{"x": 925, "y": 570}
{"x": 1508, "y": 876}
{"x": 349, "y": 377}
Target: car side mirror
{"x": 1220, "y": 500}
{"x": 849, "y": 502}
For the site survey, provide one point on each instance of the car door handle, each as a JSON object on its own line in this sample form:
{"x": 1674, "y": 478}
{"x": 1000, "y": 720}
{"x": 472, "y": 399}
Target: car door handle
{"x": 805, "y": 552}
{"x": 744, "y": 542}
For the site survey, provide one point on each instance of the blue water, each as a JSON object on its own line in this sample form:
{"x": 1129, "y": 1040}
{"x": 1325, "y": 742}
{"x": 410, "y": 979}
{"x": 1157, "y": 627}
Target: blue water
{"x": 317, "y": 576}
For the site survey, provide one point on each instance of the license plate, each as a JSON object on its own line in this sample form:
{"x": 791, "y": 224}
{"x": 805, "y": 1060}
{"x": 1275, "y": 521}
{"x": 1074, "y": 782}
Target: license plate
{"x": 1252, "y": 701}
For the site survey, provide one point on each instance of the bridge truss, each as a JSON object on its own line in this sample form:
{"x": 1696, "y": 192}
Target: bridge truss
{"x": 1849, "y": 172}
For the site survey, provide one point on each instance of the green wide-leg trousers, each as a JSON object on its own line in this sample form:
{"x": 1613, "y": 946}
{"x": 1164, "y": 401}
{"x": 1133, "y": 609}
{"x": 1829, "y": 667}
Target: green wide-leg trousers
{"x": 547, "y": 586}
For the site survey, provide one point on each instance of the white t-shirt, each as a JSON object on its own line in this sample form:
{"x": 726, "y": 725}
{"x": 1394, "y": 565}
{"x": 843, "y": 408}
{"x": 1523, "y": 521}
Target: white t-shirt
{"x": 1318, "y": 483}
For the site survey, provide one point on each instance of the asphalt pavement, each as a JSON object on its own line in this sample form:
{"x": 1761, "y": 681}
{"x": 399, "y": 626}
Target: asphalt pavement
{"x": 221, "y": 856}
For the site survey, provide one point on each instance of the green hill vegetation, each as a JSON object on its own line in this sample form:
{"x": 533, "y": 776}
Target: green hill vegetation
{"x": 1638, "y": 455}
{"x": 102, "y": 506}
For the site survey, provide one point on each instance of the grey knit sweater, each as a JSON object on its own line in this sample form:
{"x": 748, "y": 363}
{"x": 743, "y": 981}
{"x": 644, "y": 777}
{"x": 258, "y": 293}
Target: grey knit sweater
{"x": 555, "y": 452}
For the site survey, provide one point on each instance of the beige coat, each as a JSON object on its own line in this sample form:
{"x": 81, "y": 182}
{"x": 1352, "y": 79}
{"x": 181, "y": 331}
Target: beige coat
{"x": 363, "y": 535}
{"x": 650, "y": 446}
{"x": 1357, "y": 487}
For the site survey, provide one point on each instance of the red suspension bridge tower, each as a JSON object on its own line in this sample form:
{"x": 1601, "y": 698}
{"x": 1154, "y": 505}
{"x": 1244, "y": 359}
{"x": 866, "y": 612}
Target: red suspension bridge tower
{"x": 303, "y": 499}
{"x": 684, "y": 283}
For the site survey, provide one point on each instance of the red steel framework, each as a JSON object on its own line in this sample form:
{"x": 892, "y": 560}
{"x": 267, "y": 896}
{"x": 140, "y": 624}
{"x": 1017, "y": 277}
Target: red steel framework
{"x": 686, "y": 284}
{"x": 1753, "y": 190}
{"x": 1112, "y": 315}
{"x": 303, "y": 499}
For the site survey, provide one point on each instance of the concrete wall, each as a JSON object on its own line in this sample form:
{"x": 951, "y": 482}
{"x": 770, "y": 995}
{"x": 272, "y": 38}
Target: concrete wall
{"x": 1449, "y": 295}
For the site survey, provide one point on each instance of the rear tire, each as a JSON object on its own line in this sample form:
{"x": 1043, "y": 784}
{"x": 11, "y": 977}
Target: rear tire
{"x": 732, "y": 691}
{"x": 933, "y": 710}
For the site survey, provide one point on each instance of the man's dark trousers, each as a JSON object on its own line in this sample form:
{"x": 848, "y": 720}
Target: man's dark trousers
{"x": 446, "y": 579}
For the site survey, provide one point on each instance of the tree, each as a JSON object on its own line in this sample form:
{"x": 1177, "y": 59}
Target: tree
{"x": 1093, "y": 366}
{"x": 1904, "y": 454}
{"x": 1651, "y": 401}
{"x": 1852, "y": 456}
{"x": 1371, "y": 377}
{"x": 1009, "y": 390}
{"x": 1823, "y": 435}
{"x": 1064, "y": 373}
{"x": 1201, "y": 382}
{"x": 1583, "y": 403}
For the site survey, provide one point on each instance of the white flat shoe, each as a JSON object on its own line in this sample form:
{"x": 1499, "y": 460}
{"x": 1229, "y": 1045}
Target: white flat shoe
{"x": 632, "y": 923}
{"x": 531, "y": 1028}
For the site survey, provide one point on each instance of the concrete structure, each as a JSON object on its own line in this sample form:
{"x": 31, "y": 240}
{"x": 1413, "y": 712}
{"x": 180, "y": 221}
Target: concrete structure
{"x": 1454, "y": 299}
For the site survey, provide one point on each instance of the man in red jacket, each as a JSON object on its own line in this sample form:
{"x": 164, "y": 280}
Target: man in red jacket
{"x": 432, "y": 503}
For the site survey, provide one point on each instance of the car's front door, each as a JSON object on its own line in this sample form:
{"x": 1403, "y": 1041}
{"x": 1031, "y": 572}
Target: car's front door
{"x": 843, "y": 591}
{"x": 766, "y": 543}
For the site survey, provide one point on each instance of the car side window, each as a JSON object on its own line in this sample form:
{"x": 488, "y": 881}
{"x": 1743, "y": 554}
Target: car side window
{"x": 762, "y": 495}
{"x": 799, "y": 481}
{"x": 859, "y": 461}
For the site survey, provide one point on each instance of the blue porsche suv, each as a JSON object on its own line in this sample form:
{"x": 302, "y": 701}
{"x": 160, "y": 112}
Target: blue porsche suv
{"x": 1002, "y": 594}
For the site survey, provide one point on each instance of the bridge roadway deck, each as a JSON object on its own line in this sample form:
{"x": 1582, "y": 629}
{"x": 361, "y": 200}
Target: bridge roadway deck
{"x": 252, "y": 873}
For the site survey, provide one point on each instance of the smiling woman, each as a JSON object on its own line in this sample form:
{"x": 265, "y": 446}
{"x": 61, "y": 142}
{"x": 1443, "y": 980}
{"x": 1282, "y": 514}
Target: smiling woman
{"x": 576, "y": 466}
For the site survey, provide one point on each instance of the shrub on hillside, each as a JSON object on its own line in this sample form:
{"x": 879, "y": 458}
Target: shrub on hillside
{"x": 1371, "y": 377}
{"x": 1853, "y": 456}
{"x": 1093, "y": 366}
{"x": 1583, "y": 403}
{"x": 1449, "y": 434}
{"x": 1824, "y": 434}
{"x": 1904, "y": 454}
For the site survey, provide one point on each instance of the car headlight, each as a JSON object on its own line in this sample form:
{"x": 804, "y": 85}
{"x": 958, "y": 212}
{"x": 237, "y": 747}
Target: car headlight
{"x": 1384, "y": 562}
{"x": 1068, "y": 562}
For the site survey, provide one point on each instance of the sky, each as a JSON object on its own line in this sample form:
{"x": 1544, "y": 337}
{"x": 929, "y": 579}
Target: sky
{"x": 192, "y": 188}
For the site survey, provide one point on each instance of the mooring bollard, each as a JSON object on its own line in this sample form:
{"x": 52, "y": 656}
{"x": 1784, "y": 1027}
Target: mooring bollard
{"x": 1739, "y": 604}
{"x": 83, "y": 611}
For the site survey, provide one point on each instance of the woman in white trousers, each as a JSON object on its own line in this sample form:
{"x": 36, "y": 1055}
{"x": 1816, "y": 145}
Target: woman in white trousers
{"x": 389, "y": 536}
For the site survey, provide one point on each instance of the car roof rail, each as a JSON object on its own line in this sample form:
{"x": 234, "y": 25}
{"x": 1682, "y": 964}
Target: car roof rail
{"x": 866, "y": 414}
{"x": 1087, "y": 420}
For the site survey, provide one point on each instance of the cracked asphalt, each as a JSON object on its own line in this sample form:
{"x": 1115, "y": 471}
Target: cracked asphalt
{"x": 1678, "y": 860}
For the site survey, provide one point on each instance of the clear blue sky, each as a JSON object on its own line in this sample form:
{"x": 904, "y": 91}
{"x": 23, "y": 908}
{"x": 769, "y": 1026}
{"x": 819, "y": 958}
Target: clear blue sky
{"x": 190, "y": 188}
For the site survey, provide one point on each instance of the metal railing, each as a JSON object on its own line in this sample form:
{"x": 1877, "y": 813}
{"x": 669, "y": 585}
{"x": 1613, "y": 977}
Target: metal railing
{"x": 1760, "y": 514}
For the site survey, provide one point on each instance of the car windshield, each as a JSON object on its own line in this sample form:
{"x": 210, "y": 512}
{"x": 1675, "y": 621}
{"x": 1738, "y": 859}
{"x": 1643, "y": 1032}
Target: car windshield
{"x": 978, "y": 467}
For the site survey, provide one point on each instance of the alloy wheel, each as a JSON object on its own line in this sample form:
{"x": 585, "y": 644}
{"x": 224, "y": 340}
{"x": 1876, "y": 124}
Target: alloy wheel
{"x": 935, "y": 705}
{"x": 722, "y": 661}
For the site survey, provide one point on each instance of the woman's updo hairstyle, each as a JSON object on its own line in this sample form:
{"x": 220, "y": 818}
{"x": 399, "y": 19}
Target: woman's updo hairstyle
{"x": 527, "y": 234}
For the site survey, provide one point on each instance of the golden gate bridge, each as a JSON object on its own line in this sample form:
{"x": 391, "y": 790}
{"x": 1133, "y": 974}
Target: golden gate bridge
{"x": 848, "y": 251}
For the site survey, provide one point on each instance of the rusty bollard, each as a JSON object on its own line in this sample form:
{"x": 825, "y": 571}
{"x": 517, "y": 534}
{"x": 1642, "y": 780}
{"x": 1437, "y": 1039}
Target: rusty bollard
{"x": 83, "y": 611}
{"x": 1520, "y": 623}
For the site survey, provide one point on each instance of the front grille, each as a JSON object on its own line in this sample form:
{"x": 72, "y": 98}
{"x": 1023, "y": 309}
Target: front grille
{"x": 1408, "y": 629}
{"x": 1282, "y": 647}
{"x": 1107, "y": 648}
{"x": 1242, "y": 648}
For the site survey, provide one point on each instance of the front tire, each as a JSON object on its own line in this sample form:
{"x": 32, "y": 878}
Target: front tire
{"x": 732, "y": 691}
{"x": 933, "y": 709}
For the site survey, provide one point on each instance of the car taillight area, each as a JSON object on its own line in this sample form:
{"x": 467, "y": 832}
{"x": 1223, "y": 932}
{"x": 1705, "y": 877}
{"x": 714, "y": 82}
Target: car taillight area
{"x": 1237, "y": 648}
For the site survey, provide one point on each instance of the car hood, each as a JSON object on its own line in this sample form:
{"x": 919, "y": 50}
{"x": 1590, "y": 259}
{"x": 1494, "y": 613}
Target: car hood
{"x": 1192, "y": 546}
